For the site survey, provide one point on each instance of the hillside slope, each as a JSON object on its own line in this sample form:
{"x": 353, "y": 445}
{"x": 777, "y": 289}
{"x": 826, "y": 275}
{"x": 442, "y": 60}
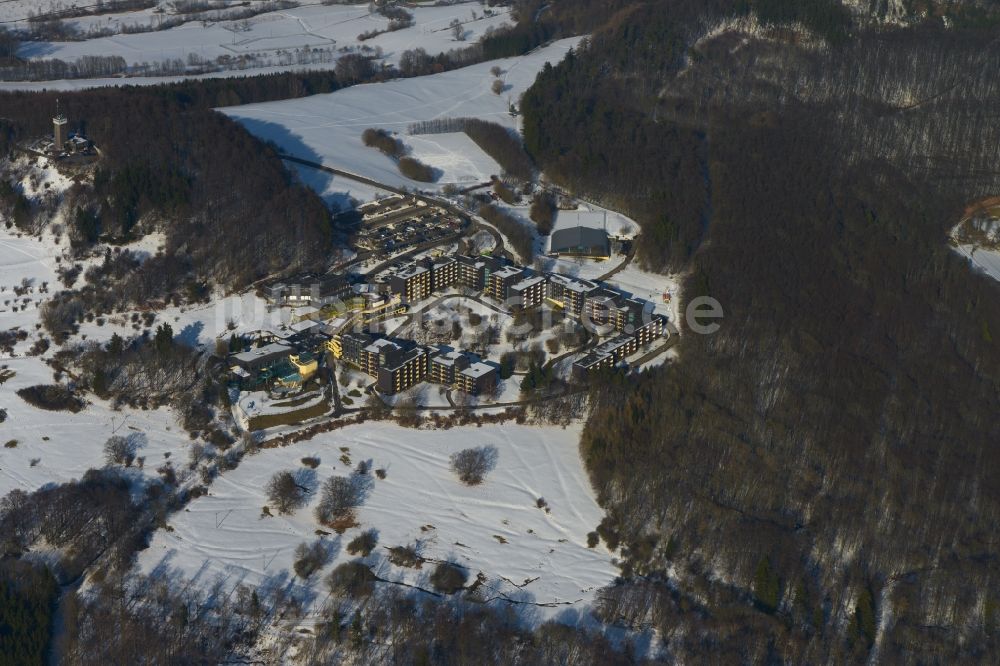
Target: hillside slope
{"x": 811, "y": 483}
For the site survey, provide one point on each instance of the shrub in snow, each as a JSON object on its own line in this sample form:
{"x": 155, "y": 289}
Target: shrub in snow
{"x": 406, "y": 556}
{"x": 120, "y": 450}
{"x": 310, "y": 558}
{"x": 472, "y": 465}
{"x": 53, "y": 397}
{"x": 351, "y": 579}
{"x": 340, "y": 496}
{"x": 388, "y": 144}
{"x": 448, "y": 578}
{"x": 363, "y": 544}
{"x": 416, "y": 170}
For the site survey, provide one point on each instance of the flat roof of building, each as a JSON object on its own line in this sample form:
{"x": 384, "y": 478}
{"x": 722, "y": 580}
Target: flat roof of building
{"x": 449, "y": 357}
{"x": 574, "y": 284}
{"x": 528, "y": 283}
{"x": 304, "y": 325}
{"x": 477, "y": 370}
{"x": 508, "y": 271}
{"x": 611, "y": 345}
{"x": 590, "y": 360}
{"x": 410, "y": 271}
{"x": 260, "y": 352}
{"x": 376, "y": 346}
{"x": 407, "y": 357}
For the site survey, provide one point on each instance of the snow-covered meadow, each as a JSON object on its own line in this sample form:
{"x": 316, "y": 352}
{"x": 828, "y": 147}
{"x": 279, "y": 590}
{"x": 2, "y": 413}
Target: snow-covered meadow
{"x": 982, "y": 259}
{"x": 527, "y": 553}
{"x": 56, "y": 447}
{"x": 327, "y": 128}
{"x": 307, "y": 36}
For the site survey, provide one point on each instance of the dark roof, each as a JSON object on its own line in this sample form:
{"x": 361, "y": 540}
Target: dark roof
{"x": 578, "y": 237}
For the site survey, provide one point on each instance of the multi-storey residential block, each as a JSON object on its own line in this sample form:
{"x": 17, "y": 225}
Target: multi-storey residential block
{"x": 569, "y": 293}
{"x": 477, "y": 379}
{"x": 379, "y": 353}
{"x": 609, "y": 353}
{"x": 445, "y": 366}
{"x": 444, "y": 272}
{"x": 651, "y": 330}
{"x": 499, "y": 283}
{"x": 412, "y": 283}
{"x": 399, "y": 369}
{"x": 597, "y": 306}
{"x": 606, "y": 355}
{"x": 350, "y": 346}
{"x": 529, "y": 292}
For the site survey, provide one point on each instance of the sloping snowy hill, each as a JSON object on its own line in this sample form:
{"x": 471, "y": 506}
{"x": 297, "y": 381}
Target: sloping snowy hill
{"x": 327, "y": 128}
{"x": 527, "y": 553}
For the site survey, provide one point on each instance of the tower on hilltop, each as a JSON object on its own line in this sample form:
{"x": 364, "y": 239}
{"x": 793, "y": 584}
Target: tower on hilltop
{"x": 59, "y": 135}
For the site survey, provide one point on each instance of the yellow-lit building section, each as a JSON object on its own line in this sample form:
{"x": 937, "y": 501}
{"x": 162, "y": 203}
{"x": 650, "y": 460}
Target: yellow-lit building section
{"x": 384, "y": 313}
{"x": 335, "y": 347}
{"x": 305, "y": 364}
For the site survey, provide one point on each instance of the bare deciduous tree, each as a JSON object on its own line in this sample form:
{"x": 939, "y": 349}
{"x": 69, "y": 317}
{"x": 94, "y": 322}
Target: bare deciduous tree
{"x": 285, "y": 492}
{"x": 472, "y": 465}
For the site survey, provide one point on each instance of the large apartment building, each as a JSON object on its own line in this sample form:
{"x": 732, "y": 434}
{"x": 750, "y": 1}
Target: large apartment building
{"x": 477, "y": 379}
{"x": 394, "y": 366}
{"x": 444, "y": 272}
{"x": 310, "y": 290}
{"x": 611, "y": 352}
{"x": 412, "y": 283}
{"x": 606, "y": 307}
{"x": 474, "y": 272}
{"x": 380, "y": 352}
{"x": 445, "y": 366}
{"x": 606, "y": 355}
{"x": 402, "y": 369}
{"x": 569, "y": 293}
{"x": 499, "y": 283}
{"x": 529, "y": 292}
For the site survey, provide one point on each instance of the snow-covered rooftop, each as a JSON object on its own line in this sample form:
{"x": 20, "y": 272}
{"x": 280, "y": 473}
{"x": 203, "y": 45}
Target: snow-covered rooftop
{"x": 478, "y": 370}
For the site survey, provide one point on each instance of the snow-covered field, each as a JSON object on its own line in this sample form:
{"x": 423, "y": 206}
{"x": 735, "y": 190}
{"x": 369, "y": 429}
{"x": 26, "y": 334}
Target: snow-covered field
{"x": 15, "y": 11}
{"x": 27, "y": 264}
{"x": 525, "y": 552}
{"x": 457, "y": 156}
{"x": 987, "y": 261}
{"x": 338, "y": 192}
{"x": 55, "y": 447}
{"x": 327, "y": 128}
{"x": 309, "y": 35}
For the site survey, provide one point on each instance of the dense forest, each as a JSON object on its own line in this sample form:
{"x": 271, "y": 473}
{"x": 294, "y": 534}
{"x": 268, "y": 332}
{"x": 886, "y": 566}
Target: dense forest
{"x": 811, "y": 484}
{"x": 27, "y": 596}
{"x": 230, "y": 210}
